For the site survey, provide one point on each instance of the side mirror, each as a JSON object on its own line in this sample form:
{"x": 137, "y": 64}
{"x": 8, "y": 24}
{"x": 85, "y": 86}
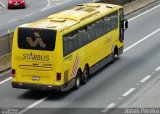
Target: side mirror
{"x": 125, "y": 24}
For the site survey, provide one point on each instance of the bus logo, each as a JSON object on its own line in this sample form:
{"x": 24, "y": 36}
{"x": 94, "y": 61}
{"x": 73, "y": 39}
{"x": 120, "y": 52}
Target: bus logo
{"x": 36, "y": 34}
{"x": 37, "y": 41}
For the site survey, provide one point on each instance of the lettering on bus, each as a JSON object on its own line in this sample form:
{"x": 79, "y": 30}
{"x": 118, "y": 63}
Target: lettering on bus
{"x": 36, "y": 57}
{"x": 108, "y": 39}
{"x": 69, "y": 57}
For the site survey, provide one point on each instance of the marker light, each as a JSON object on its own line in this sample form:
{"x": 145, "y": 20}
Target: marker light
{"x": 58, "y": 76}
{"x": 13, "y": 73}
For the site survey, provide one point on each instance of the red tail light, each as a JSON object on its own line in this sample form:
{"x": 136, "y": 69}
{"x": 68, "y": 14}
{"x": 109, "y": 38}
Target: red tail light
{"x": 58, "y": 76}
{"x": 13, "y": 73}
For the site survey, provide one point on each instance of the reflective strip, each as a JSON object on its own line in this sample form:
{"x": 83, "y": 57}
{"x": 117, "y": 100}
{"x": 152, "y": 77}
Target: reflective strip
{"x": 75, "y": 68}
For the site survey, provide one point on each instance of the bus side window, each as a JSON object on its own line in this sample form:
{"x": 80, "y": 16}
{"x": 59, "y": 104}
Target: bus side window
{"x": 114, "y": 20}
{"x": 91, "y": 30}
{"x": 82, "y": 37}
{"x": 121, "y": 18}
{"x": 65, "y": 45}
{"x": 101, "y": 24}
{"x": 70, "y": 43}
{"x": 98, "y": 29}
{"x": 107, "y": 24}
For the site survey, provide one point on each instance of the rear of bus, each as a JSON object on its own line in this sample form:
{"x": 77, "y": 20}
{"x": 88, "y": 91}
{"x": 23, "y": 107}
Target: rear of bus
{"x": 36, "y": 59}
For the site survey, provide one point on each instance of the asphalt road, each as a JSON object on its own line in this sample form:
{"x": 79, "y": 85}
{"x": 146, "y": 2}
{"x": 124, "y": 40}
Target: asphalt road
{"x": 11, "y": 17}
{"x": 108, "y": 85}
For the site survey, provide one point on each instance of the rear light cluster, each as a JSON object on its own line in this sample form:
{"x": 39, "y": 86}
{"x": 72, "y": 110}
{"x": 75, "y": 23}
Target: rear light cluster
{"x": 13, "y": 73}
{"x": 58, "y": 76}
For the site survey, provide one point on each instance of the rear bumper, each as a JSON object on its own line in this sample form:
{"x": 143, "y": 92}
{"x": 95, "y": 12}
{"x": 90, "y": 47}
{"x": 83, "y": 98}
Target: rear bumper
{"x": 35, "y": 86}
{"x": 65, "y": 87}
{"x": 19, "y": 6}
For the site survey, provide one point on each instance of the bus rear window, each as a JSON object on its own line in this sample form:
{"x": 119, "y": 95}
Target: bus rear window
{"x": 36, "y": 39}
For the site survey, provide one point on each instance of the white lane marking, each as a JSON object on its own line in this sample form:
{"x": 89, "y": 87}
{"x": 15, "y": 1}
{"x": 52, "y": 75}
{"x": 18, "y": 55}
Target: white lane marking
{"x": 3, "y": 5}
{"x": 49, "y": 7}
{"x": 6, "y": 80}
{"x": 29, "y": 14}
{"x": 12, "y": 20}
{"x": 145, "y": 79}
{"x": 108, "y": 107}
{"x": 48, "y": 3}
{"x": 34, "y": 104}
{"x": 43, "y": 9}
{"x": 144, "y": 13}
{"x": 157, "y": 69}
{"x": 128, "y": 92}
{"x": 111, "y": 105}
{"x": 5, "y": 73}
{"x": 141, "y": 40}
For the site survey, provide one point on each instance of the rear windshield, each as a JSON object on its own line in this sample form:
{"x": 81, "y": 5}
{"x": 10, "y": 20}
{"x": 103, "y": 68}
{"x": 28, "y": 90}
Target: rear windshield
{"x": 36, "y": 39}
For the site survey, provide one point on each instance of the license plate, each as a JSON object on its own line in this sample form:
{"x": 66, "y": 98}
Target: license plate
{"x": 16, "y": 4}
{"x": 35, "y": 78}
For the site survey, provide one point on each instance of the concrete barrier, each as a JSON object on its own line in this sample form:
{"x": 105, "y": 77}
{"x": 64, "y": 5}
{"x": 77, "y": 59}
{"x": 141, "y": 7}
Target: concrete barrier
{"x": 5, "y": 61}
{"x": 6, "y": 44}
{"x": 130, "y": 5}
{"x": 136, "y": 5}
{"x": 5, "y": 53}
{"x": 118, "y": 2}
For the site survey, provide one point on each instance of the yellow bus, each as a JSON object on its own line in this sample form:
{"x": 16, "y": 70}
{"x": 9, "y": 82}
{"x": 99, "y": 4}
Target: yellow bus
{"x": 61, "y": 51}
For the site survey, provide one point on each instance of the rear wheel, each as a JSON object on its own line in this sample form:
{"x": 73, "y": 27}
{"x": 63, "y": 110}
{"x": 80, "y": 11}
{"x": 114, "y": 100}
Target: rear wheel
{"x": 77, "y": 80}
{"x": 114, "y": 55}
{"x": 85, "y": 75}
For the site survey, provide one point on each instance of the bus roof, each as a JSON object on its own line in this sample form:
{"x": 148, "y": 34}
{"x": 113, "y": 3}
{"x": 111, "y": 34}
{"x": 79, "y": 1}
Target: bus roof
{"x": 73, "y": 16}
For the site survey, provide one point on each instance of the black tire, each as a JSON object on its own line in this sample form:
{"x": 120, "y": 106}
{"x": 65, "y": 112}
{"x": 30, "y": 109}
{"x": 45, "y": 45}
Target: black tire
{"x": 77, "y": 80}
{"x": 114, "y": 56}
{"x": 85, "y": 75}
